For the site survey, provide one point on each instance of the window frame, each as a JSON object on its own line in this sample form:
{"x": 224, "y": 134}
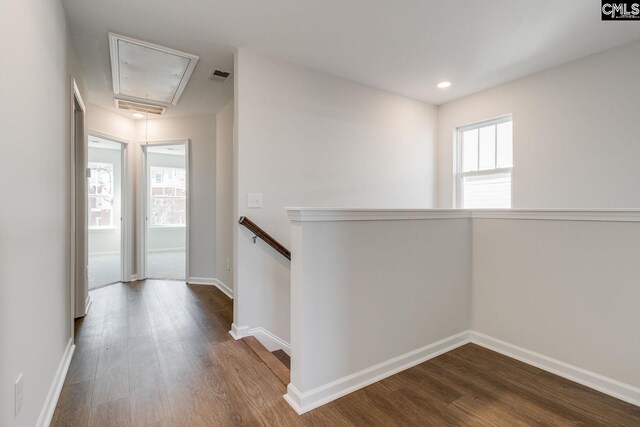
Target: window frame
{"x": 460, "y": 175}
{"x": 112, "y": 225}
{"x": 152, "y": 197}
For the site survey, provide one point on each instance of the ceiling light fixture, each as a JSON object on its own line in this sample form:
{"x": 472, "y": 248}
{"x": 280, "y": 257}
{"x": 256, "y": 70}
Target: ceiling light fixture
{"x": 138, "y": 115}
{"x": 444, "y": 85}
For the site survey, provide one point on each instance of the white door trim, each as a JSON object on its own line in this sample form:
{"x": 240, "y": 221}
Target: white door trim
{"x": 78, "y": 289}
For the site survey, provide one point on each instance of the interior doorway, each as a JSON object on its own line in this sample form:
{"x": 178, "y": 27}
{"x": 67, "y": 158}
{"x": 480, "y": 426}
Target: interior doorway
{"x": 79, "y": 293}
{"x": 105, "y": 211}
{"x": 166, "y": 205}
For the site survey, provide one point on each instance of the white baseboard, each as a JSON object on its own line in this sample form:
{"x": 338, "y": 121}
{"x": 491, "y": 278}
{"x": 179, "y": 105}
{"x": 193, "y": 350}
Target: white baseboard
{"x": 51, "y": 401}
{"x": 238, "y": 332}
{"x": 606, "y": 385}
{"x": 224, "y": 288}
{"x": 214, "y": 282}
{"x": 304, "y": 402}
{"x": 270, "y": 341}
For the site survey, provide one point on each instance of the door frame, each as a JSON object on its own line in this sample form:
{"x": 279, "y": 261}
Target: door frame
{"x": 79, "y": 299}
{"x": 142, "y": 204}
{"x": 126, "y": 241}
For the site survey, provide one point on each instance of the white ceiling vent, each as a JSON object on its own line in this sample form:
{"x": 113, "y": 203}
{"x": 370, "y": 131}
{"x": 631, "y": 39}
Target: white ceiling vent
{"x": 148, "y": 72}
{"x": 138, "y": 107}
{"x": 220, "y": 76}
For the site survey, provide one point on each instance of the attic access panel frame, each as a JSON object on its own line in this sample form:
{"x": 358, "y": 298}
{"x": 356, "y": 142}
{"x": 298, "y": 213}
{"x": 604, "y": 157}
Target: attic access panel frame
{"x": 114, "y": 44}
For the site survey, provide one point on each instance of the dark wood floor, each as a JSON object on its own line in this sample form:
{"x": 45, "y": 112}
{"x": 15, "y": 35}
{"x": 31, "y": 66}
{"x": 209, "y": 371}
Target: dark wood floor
{"x": 158, "y": 353}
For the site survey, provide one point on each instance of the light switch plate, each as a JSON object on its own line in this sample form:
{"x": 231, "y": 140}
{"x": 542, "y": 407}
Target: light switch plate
{"x": 254, "y": 200}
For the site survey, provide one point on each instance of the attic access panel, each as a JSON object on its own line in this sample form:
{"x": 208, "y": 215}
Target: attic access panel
{"x": 148, "y": 72}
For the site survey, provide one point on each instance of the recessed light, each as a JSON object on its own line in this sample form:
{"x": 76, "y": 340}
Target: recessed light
{"x": 444, "y": 85}
{"x": 138, "y": 115}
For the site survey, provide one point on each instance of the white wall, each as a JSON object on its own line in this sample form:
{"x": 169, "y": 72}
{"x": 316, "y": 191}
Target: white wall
{"x": 566, "y": 289}
{"x": 35, "y": 323}
{"x": 370, "y": 289}
{"x": 575, "y": 133}
{"x": 202, "y": 133}
{"x": 309, "y": 139}
{"x": 105, "y": 122}
{"x": 366, "y": 292}
{"x": 225, "y": 223}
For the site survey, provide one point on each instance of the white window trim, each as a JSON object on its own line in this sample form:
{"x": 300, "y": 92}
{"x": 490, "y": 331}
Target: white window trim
{"x": 112, "y": 225}
{"x": 151, "y": 198}
{"x": 459, "y": 175}
{"x": 103, "y": 228}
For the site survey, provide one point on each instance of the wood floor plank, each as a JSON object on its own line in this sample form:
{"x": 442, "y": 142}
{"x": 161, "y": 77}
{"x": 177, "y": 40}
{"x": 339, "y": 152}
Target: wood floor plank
{"x": 548, "y": 387}
{"x": 84, "y": 361}
{"x": 283, "y": 357}
{"x": 112, "y": 373}
{"x": 208, "y": 321}
{"x": 159, "y": 353}
{"x": 74, "y": 405}
{"x": 148, "y": 397}
{"x": 116, "y": 413}
{"x": 272, "y": 362}
{"x": 520, "y": 404}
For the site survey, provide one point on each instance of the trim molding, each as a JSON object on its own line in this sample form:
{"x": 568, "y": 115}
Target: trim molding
{"x": 608, "y": 215}
{"x": 104, "y": 253}
{"x": 238, "y": 332}
{"x": 270, "y": 341}
{"x": 46, "y": 415}
{"x": 212, "y": 282}
{"x": 87, "y": 304}
{"x": 164, "y": 250}
{"x": 303, "y": 402}
{"x": 606, "y": 385}
{"x": 341, "y": 214}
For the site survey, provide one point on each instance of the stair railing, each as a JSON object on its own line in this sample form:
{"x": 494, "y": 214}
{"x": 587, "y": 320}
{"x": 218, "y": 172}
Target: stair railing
{"x": 261, "y": 234}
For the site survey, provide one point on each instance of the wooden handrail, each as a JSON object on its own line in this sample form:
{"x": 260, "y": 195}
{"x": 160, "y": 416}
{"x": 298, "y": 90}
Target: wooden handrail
{"x": 259, "y": 232}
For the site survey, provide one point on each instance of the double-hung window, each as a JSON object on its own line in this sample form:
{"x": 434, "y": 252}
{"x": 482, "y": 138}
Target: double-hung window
{"x": 485, "y": 164}
{"x": 168, "y": 197}
{"x": 100, "y": 195}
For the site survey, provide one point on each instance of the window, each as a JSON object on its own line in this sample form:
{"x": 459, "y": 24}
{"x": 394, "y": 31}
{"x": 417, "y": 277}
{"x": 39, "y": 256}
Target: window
{"x": 168, "y": 196}
{"x": 100, "y": 195}
{"x": 485, "y": 163}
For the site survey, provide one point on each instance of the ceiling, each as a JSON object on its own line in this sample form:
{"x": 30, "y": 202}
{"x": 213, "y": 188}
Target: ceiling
{"x": 147, "y": 72}
{"x": 402, "y": 46}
